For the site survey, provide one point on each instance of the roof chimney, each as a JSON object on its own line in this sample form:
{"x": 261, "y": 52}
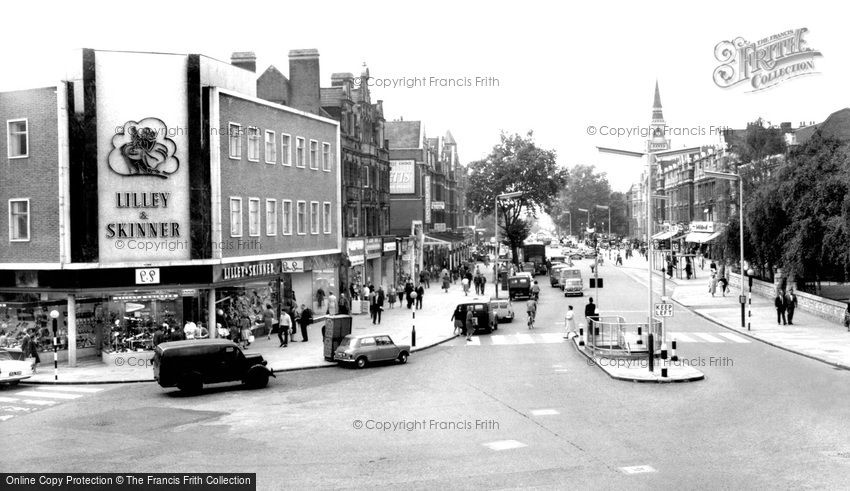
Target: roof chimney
{"x": 304, "y": 80}
{"x": 244, "y": 59}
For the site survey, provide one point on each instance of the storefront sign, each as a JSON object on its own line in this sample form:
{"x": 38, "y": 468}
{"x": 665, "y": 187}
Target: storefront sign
{"x": 292, "y": 266}
{"x": 439, "y": 227}
{"x": 402, "y": 174}
{"x": 143, "y": 297}
{"x": 438, "y": 205}
{"x": 244, "y": 270}
{"x": 707, "y": 227}
{"x": 147, "y": 276}
{"x": 389, "y": 246}
{"x": 188, "y": 292}
{"x": 373, "y": 247}
{"x": 356, "y": 250}
{"x": 427, "y": 199}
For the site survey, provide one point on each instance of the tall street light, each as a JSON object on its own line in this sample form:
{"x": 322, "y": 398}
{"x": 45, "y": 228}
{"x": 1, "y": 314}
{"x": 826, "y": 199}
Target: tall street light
{"x": 502, "y": 196}
{"x": 728, "y": 176}
{"x": 571, "y": 222}
{"x": 587, "y": 224}
{"x": 649, "y": 157}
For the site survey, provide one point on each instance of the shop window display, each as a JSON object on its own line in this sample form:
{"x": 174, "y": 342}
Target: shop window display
{"x": 133, "y": 320}
{"x": 21, "y": 312}
{"x": 236, "y": 302}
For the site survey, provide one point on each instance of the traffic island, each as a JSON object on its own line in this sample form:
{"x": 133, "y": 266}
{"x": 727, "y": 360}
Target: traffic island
{"x": 636, "y": 368}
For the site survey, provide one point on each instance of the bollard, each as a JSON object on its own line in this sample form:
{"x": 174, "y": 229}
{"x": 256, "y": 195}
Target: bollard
{"x": 664, "y": 372}
{"x": 640, "y": 339}
{"x": 663, "y": 351}
{"x": 673, "y": 356}
{"x": 413, "y": 332}
{"x": 651, "y": 352}
{"x": 581, "y": 336}
{"x": 55, "y": 350}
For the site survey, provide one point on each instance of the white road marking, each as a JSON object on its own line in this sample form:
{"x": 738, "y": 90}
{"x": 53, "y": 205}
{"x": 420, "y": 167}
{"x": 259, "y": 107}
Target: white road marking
{"x": 544, "y": 412}
{"x": 551, "y": 337}
{"x": 681, "y": 337}
{"x": 68, "y": 388}
{"x": 7, "y": 417}
{"x": 498, "y": 340}
{"x": 708, "y": 337}
{"x": 38, "y": 402}
{"x": 638, "y": 469}
{"x": 734, "y": 337}
{"x": 16, "y": 409}
{"x": 8, "y": 399}
{"x": 561, "y": 370}
{"x": 54, "y": 395}
{"x": 524, "y": 339}
{"x": 505, "y": 445}
{"x": 473, "y": 341}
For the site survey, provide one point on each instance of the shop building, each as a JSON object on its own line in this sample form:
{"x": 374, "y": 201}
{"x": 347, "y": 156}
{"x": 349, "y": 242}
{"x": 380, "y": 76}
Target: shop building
{"x": 151, "y": 189}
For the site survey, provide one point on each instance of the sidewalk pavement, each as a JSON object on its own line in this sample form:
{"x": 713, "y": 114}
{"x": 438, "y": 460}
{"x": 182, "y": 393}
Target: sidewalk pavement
{"x": 433, "y": 326}
{"x": 810, "y": 336}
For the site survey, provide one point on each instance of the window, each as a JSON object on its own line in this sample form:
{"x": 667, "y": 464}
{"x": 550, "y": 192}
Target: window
{"x": 326, "y": 157}
{"x": 314, "y": 217}
{"x": 17, "y": 138}
{"x": 236, "y": 217}
{"x": 314, "y": 155}
{"x": 19, "y": 220}
{"x": 253, "y": 144}
{"x": 299, "y": 152}
{"x": 285, "y": 142}
{"x": 287, "y": 217}
{"x": 254, "y": 216}
{"x": 302, "y": 218}
{"x": 234, "y": 133}
{"x": 271, "y": 217}
{"x": 364, "y": 176}
{"x": 271, "y": 147}
{"x": 326, "y": 217}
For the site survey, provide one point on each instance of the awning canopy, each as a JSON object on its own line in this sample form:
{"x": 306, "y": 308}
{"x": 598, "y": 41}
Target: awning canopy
{"x": 444, "y": 238}
{"x": 664, "y": 235}
{"x": 702, "y": 237}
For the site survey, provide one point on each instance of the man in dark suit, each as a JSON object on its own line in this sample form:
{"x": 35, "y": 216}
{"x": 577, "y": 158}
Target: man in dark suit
{"x": 779, "y": 303}
{"x": 790, "y": 305}
{"x": 305, "y": 320}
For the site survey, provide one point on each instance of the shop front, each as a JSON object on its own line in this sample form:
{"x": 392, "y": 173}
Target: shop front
{"x": 388, "y": 263}
{"x": 374, "y": 265}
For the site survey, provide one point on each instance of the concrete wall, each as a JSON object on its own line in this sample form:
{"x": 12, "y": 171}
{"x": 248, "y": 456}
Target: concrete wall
{"x": 831, "y": 310}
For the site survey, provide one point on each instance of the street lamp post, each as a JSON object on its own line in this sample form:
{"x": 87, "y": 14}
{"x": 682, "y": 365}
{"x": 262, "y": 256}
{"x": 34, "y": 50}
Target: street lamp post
{"x": 502, "y": 196}
{"x": 571, "y": 222}
{"x": 648, "y": 156}
{"x": 749, "y": 298}
{"x": 728, "y": 176}
{"x": 54, "y": 314}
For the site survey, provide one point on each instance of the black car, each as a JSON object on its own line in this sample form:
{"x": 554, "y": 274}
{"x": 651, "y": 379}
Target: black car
{"x": 482, "y": 312}
{"x": 190, "y": 364}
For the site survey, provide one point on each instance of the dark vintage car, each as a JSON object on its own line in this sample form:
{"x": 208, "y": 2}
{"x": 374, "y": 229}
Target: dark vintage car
{"x": 483, "y": 314}
{"x": 519, "y": 286}
{"x": 362, "y": 349}
{"x": 188, "y": 365}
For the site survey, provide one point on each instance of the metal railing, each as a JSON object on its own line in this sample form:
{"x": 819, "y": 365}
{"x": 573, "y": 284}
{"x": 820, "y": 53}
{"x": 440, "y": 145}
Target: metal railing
{"x": 612, "y": 335}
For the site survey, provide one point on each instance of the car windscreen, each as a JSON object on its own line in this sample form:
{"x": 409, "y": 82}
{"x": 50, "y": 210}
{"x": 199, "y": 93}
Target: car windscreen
{"x": 571, "y": 273}
{"x": 348, "y": 342}
{"x": 5, "y": 355}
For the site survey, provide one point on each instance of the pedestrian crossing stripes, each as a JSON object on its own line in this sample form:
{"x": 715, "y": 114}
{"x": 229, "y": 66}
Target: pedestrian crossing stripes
{"x": 704, "y": 337}
{"x": 558, "y": 337}
{"x": 22, "y": 401}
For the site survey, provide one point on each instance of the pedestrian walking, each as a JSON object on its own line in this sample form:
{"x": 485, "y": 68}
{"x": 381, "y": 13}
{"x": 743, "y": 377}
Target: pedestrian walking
{"x": 245, "y": 330}
{"x": 269, "y": 321}
{"x": 320, "y": 297}
{"x": 305, "y": 320}
{"x": 688, "y": 268}
{"x": 29, "y": 349}
{"x": 590, "y": 314}
{"x": 285, "y": 329}
{"x": 295, "y": 317}
{"x": 333, "y": 304}
{"x": 408, "y": 291}
{"x": 391, "y": 296}
{"x": 446, "y": 281}
{"x": 420, "y": 292}
{"x": 712, "y": 284}
{"x": 723, "y": 284}
{"x": 470, "y": 324}
{"x": 344, "y": 304}
{"x": 476, "y": 281}
{"x": 460, "y": 327}
{"x": 790, "y": 305}
{"x": 569, "y": 322}
{"x": 464, "y": 283}
{"x": 779, "y": 303}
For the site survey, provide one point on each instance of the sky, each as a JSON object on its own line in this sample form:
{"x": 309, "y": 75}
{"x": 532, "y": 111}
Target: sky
{"x": 555, "y": 69}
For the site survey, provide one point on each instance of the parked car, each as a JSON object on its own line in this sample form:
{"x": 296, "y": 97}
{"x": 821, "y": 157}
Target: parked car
{"x": 482, "y": 312}
{"x": 188, "y": 365}
{"x": 555, "y": 274}
{"x": 519, "y": 286}
{"x": 363, "y": 349}
{"x": 571, "y": 282}
{"x": 13, "y": 369}
{"x": 503, "y": 309}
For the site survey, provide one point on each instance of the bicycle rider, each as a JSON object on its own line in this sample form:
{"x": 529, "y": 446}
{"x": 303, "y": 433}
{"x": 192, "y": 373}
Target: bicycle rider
{"x": 531, "y": 310}
{"x": 535, "y": 291}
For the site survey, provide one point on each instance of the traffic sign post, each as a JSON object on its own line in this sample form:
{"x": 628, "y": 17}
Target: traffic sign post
{"x": 664, "y": 309}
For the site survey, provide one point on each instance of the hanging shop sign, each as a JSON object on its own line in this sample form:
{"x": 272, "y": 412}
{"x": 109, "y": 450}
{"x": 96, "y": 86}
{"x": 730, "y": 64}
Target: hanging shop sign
{"x": 373, "y": 247}
{"x": 706, "y": 227}
{"x": 292, "y": 266}
{"x": 389, "y": 246}
{"x": 439, "y": 227}
{"x": 427, "y": 193}
{"x": 356, "y": 250}
{"x": 147, "y": 276}
{"x": 438, "y": 205}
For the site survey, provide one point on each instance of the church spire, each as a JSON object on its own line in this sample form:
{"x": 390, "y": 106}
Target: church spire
{"x": 658, "y": 140}
{"x": 657, "y": 115}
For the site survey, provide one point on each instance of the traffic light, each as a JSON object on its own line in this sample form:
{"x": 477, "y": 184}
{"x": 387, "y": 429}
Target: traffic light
{"x": 595, "y": 282}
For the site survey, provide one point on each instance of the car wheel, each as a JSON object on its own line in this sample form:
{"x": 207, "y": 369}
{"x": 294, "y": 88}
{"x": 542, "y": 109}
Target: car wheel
{"x": 361, "y": 362}
{"x": 402, "y": 357}
{"x": 257, "y": 378}
{"x": 190, "y": 383}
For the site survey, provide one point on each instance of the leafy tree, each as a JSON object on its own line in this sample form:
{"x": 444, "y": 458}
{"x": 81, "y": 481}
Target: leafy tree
{"x": 516, "y": 164}
{"x": 757, "y": 142}
{"x": 586, "y": 188}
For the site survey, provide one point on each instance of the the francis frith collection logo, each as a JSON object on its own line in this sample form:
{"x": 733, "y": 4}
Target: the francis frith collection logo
{"x": 765, "y": 63}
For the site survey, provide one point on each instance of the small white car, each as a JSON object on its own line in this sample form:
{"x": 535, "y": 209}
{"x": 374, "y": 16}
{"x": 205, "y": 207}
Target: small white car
{"x": 13, "y": 370}
{"x": 503, "y": 308}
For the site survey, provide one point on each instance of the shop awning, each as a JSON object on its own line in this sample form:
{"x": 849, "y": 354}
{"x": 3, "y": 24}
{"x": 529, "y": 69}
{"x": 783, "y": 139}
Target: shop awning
{"x": 702, "y": 237}
{"x": 664, "y": 235}
{"x": 443, "y": 238}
